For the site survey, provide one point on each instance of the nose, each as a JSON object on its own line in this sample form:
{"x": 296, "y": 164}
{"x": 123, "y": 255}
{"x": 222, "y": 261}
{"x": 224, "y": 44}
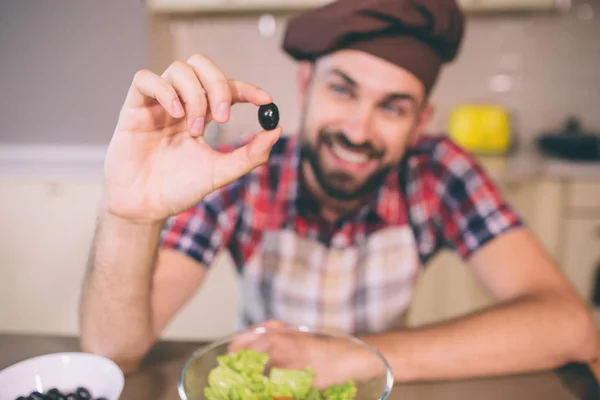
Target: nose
{"x": 360, "y": 124}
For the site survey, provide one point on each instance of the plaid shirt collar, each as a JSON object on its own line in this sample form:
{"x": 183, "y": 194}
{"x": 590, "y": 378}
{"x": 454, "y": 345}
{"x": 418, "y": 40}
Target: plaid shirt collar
{"x": 385, "y": 205}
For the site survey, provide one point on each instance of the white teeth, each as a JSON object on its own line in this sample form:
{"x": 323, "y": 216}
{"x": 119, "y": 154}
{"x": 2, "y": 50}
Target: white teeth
{"x": 349, "y": 156}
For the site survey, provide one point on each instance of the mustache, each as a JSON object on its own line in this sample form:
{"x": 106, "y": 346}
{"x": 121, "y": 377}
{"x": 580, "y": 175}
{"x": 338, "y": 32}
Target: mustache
{"x": 339, "y": 137}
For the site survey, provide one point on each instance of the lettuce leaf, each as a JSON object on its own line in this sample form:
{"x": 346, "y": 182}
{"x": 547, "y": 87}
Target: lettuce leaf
{"x": 291, "y": 383}
{"x": 345, "y": 391}
{"x": 245, "y": 362}
{"x": 314, "y": 394}
{"x": 240, "y": 376}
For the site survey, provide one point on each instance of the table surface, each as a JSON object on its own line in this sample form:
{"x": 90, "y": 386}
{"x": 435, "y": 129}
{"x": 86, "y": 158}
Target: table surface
{"x": 157, "y": 378}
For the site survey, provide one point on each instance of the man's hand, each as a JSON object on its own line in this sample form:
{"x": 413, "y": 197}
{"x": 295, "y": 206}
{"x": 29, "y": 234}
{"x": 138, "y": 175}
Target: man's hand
{"x": 158, "y": 164}
{"x": 334, "y": 360}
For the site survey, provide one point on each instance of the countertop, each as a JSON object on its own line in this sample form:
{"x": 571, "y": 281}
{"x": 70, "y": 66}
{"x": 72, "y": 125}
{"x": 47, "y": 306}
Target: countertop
{"x": 81, "y": 162}
{"x": 530, "y": 164}
{"x": 158, "y": 376}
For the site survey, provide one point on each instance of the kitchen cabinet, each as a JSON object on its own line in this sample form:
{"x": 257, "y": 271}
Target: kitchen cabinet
{"x": 584, "y": 195}
{"x": 180, "y": 6}
{"x": 448, "y": 289}
{"x": 582, "y": 253}
{"x": 582, "y": 239}
{"x": 47, "y": 230}
{"x": 564, "y": 215}
{"x": 49, "y": 226}
{"x": 509, "y": 5}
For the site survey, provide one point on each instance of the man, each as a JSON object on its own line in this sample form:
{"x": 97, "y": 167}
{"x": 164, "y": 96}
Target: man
{"x": 328, "y": 228}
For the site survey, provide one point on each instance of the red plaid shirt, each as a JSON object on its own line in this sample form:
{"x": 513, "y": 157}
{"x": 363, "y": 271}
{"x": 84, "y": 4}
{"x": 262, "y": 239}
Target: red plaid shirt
{"x": 356, "y": 275}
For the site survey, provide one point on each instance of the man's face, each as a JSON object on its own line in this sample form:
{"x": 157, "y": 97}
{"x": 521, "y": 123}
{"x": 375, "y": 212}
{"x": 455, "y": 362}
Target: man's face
{"x": 360, "y": 113}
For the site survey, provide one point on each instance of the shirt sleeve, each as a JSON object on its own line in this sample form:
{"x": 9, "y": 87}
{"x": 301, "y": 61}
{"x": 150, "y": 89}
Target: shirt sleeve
{"x": 472, "y": 208}
{"x": 206, "y": 228}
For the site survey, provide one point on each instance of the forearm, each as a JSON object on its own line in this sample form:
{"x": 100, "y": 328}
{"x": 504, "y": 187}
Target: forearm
{"x": 528, "y": 334}
{"x": 115, "y": 312}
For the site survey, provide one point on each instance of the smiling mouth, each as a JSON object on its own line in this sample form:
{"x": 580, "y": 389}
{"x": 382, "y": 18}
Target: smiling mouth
{"x": 348, "y": 156}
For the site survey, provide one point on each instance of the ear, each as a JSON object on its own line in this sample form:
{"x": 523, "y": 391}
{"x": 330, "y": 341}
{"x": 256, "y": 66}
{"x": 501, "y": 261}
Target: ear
{"x": 424, "y": 118}
{"x": 304, "y": 73}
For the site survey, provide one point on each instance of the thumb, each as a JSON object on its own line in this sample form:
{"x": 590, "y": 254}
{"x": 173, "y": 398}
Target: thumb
{"x": 230, "y": 166}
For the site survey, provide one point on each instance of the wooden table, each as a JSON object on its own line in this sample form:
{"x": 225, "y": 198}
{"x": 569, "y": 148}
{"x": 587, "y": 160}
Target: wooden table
{"x": 157, "y": 379}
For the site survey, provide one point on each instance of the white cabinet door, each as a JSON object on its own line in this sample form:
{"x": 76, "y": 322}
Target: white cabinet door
{"x": 448, "y": 288}
{"x": 445, "y": 290}
{"x": 584, "y": 195}
{"x": 45, "y": 237}
{"x": 507, "y": 5}
{"x": 582, "y": 253}
{"x": 186, "y": 5}
{"x": 46, "y": 233}
{"x": 541, "y": 203}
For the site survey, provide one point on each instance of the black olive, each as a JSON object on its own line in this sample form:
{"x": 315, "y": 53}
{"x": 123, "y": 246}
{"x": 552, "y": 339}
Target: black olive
{"x": 83, "y": 393}
{"x": 268, "y": 116}
{"x": 36, "y": 396}
{"x": 54, "y": 394}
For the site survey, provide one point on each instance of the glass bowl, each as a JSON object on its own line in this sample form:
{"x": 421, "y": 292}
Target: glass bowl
{"x": 330, "y": 359}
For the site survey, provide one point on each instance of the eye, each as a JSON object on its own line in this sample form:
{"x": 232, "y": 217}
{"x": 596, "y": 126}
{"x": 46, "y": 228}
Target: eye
{"x": 395, "y": 109}
{"x": 342, "y": 90}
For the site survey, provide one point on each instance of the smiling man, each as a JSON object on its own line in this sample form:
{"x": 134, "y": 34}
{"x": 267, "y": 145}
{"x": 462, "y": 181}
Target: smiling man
{"x": 328, "y": 227}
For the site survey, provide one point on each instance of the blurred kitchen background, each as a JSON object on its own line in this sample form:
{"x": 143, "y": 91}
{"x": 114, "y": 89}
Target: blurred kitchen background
{"x": 65, "y": 66}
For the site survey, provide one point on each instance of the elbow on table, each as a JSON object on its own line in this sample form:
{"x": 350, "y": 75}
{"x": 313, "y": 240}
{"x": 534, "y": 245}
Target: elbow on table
{"x": 584, "y": 336}
{"x": 128, "y": 358}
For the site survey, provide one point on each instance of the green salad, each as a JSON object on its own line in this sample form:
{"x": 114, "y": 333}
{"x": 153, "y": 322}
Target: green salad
{"x": 240, "y": 376}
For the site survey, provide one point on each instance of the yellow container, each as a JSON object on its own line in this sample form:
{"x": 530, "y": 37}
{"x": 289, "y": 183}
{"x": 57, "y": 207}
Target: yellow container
{"x": 481, "y": 128}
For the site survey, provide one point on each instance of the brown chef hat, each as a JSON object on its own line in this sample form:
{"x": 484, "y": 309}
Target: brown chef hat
{"x": 417, "y": 35}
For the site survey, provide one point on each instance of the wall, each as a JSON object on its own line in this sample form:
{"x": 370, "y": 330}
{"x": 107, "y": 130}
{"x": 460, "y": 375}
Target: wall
{"x": 542, "y": 67}
{"x": 65, "y": 66}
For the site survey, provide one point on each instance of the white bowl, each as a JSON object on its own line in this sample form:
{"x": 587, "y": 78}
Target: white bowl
{"x": 64, "y": 371}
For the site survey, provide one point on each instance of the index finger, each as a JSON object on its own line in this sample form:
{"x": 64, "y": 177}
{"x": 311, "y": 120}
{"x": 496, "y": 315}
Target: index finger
{"x": 243, "y": 92}
{"x": 222, "y": 92}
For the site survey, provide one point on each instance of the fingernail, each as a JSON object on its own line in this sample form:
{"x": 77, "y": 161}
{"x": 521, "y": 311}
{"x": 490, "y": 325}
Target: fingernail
{"x": 177, "y": 107}
{"x": 197, "y": 126}
{"x": 263, "y": 93}
{"x": 222, "y": 109}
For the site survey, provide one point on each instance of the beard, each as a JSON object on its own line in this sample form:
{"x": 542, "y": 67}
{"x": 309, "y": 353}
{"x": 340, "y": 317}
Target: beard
{"x": 341, "y": 185}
